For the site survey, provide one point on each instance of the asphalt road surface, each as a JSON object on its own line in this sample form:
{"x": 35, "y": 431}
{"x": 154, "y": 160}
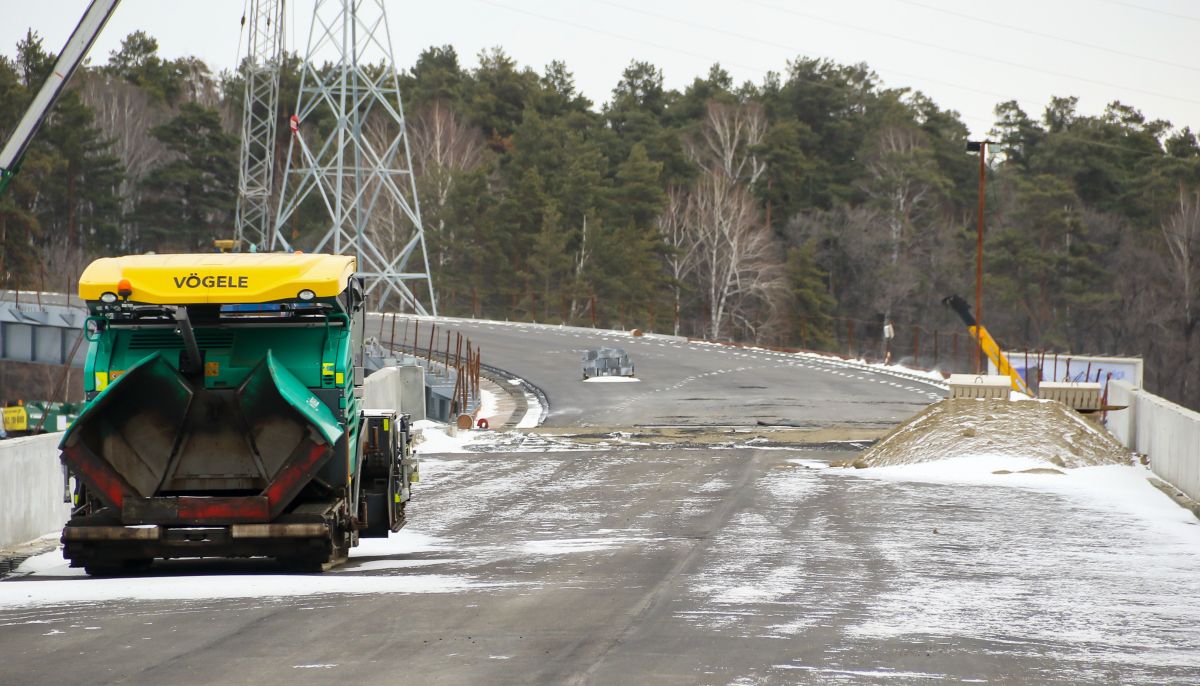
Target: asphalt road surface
{"x": 681, "y": 382}
{"x": 632, "y": 554}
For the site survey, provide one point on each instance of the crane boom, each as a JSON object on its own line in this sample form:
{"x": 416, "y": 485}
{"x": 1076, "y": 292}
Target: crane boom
{"x": 986, "y": 343}
{"x": 69, "y": 59}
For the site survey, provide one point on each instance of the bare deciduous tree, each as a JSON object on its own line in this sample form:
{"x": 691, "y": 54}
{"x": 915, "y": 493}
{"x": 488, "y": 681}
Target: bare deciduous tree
{"x": 737, "y": 264}
{"x": 903, "y": 183}
{"x": 126, "y": 114}
{"x": 1181, "y": 234}
{"x": 727, "y": 140}
{"x": 681, "y": 244}
{"x": 443, "y": 146}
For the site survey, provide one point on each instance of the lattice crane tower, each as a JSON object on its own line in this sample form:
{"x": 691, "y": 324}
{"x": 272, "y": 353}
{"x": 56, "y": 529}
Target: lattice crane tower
{"x": 360, "y": 167}
{"x": 255, "y": 218}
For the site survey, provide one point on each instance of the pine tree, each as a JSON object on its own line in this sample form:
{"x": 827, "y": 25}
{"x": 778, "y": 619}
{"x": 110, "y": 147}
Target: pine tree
{"x": 189, "y": 201}
{"x": 810, "y": 318}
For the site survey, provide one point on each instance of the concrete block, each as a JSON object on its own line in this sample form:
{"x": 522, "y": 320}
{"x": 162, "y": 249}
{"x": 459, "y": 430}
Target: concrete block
{"x": 1120, "y": 422}
{"x": 979, "y": 386}
{"x": 412, "y": 391}
{"x": 1079, "y": 395}
{"x": 398, "y": 388}
{"x": 381, "y": 390}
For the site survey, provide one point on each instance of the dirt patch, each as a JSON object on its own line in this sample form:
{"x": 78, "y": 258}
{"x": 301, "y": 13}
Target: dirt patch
{"x": 704, "y": 435}
{"x": 960, "y": 427}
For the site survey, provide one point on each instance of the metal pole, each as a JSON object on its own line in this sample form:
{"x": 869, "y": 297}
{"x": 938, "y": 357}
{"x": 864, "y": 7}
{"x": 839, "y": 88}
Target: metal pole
{"x": 979, "y": 262}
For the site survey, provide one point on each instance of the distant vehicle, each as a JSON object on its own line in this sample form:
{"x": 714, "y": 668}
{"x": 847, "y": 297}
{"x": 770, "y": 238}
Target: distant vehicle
{"x": 606, "y": 362}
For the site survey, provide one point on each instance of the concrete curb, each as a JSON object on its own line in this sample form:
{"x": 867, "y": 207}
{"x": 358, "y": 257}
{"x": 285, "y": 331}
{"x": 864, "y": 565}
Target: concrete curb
{"x": 521, "y": 406}
{"x": 502, "y": 377}
{"x": 11, "y": 558}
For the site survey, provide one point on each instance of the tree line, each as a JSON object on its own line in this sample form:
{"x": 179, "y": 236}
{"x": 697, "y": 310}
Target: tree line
{"x": 809, "y": 210}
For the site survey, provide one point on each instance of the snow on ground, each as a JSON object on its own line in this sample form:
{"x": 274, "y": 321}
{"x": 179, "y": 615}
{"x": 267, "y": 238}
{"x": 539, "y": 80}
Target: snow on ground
{"x": 435, "y": 437}
{"x": 1095, "y": 559}
{"x": 1091, "y": 570}
{"x": 46, "y": 579}
{"x": 52, "y": 590}
{"x": 534, "y": 414}
{"x": 566, "y": 546}
{"x": 612, "y": 379}
{"x": 1111, "y": 489}
{"x": 488, "y": 403}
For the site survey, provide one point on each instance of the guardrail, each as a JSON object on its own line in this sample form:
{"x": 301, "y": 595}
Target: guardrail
{"x": 1168, "y": 433}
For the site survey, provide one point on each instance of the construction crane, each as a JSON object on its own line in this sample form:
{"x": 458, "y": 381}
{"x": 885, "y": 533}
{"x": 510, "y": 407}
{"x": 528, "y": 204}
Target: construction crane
{"x": 69, "y": 59}
{"x": 986, "y": 343}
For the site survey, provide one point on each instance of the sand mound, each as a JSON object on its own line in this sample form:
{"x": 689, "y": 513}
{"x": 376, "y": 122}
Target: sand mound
{"x": 963, "y": 427}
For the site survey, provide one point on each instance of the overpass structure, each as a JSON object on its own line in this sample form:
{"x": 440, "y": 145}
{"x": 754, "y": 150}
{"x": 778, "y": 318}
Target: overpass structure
{"x": 43, "y": 334}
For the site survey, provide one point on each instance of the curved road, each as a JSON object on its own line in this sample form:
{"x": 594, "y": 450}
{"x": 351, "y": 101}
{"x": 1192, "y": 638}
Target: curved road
{"x": 685, "y": 383}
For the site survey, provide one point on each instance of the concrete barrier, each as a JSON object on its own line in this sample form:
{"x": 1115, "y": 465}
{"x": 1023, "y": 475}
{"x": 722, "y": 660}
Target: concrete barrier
{"x": 1077, "y": 395}
{"x": 979, "y": 386}
{"x": 1120, "y": 422}
{"x": 31, "y": 489}
{"x": 1168, "y": 433}
{"x": 401, "y": 388}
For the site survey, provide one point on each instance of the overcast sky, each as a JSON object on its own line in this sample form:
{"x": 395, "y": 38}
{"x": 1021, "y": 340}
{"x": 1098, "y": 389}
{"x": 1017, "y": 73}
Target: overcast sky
{"x": 966, "y": 54}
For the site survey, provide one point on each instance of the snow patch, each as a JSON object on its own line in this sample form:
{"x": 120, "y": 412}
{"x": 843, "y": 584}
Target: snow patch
{"x": 566, "y": 546}
{"x": 612, "y": 379}
{"x": 52, "y": 591}
{"x": 488, "y": 404}
{"x": 533, "y": 415}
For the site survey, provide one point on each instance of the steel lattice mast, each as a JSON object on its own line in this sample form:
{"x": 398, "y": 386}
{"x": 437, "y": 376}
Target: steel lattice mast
{"x": 255, "y": 220}
{"x": 357, "y": 173}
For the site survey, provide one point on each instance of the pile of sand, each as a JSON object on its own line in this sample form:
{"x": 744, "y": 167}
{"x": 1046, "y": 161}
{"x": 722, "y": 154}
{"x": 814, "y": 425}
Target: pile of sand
{"x": 964, "y": 427}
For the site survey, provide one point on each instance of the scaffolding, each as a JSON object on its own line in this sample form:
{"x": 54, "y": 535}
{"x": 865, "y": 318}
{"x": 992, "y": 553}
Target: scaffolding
{"x": 255, "y": 219}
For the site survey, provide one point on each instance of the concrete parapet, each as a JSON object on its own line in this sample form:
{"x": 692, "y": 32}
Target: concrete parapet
{"x": 1168, "y": 433}
{"x": 31, "y": 489}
